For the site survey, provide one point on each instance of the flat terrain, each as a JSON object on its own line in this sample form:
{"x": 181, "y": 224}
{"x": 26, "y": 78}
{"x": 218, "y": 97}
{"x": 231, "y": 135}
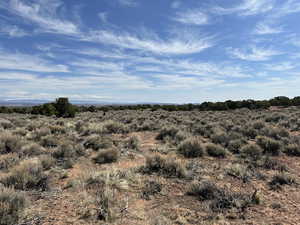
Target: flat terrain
{"x": 156, "y": 168}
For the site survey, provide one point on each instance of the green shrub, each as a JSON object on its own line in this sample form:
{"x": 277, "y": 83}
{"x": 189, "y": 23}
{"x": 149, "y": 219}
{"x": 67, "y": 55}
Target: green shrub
{"x": 203, "y": 190}
{"x": 12, "y": 205}
{"x": 26, "y": 176}
{"x": 49, "y": 141}
{"x": 107, "y": 156}
{"x": 64, "y": 108}
{"x": 216, "y": 151}
{"x": 191, "y": 148}
{"x": 269, "y": 145}
{"x": 32, "y": 149}
{"x": 292, "y": 150}
{"x": 252, "y": 151}
{"x": 235, "y": 146}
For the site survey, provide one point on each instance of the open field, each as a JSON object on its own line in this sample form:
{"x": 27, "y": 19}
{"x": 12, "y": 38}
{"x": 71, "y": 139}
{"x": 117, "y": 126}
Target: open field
{"x": 156, "y": 168}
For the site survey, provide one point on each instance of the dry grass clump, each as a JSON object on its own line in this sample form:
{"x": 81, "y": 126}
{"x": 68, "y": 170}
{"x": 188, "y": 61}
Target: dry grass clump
{"x": 239, "y": 171}
{"x": 151, "y": 187}
{"x": 9, "y": 143}
{"x": 235, "y": 146}
{"x": 107, "y": 156}
{"x": 133, "y": 143}
{"x": 269, "y": 145}
{"x": 12, "y": 204}
{"x": 216, "y": 151}
{"x": 191, "y": 148}
{"x": 114, "y": 127}
{"x": 164, "y": 166}
{"x": 26, "y": 176}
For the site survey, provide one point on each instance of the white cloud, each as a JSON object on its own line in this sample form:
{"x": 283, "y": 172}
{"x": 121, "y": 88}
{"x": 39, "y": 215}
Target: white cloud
{"x": 285, "y": 66}
{"x": 247, "y": 8}
{"x": 13, "y": 31}
{"x": 19, "y": 61}
{"x": 151, "y": 44}
{"x": 45, "y": 14}
{"x": 264, "y": 27}
{"x": 254, "y": 53}
{"x": 191, "y": 17}
{"x": 130, "y": 3}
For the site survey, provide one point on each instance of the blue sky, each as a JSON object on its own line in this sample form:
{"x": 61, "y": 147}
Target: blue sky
{"x": 149, "y": 51}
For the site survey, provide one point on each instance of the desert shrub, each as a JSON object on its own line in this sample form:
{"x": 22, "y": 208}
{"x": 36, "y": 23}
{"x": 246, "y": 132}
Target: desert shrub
{"x": 191, "y": 148}
{"x": 216, "y": 151}
{"x": 107, "y": 156}
{"x": 114, "y": 127}
{"x": 104, "y": 201}
{"x": 167, "y": 132}
{"x": 239, "y": 171}
{"x": 63, "y": 108}
{"x": 273, "y": 164}
{"x": 32, "y": 149}
{"x": 47, "y": 161}
{"x": 292, "y": 150}
{"x": 133, "y": 143}
{"x": 168, "y": 167}
{"x": 250, "y": 132}
{"x": 68, "y": 150}
{"x": 235, "y": 146}
{"x": 9, "y": 143}
{"x": 227, "y": 200}
{"x": 258, "y": 125}
{"x": 281, "y": 179}
{"x": 252, "y": 151}
{"x": 26, "y": 176}
{"x": 151, "y": 187}
{"x": 6, "y": 124}
{"x": 49, "y": 141}
{"x": 203, "y": 190}
{"x": 275, "y": 132}
{"x": 41, "y": 132}
{"x": 96, "y": 142}
{"x": 269, "y": 145}
{"x": 220, "y": 138}
{"x": 9, "y": 160}
{"x": 12, "y": 205}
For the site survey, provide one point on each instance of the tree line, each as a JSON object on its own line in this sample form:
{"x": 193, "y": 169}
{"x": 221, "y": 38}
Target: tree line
{"x": 62, "y": 108}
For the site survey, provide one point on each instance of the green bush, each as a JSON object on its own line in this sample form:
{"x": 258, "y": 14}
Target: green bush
{"x": 292, "y": 150}
{"x": 191, "y": 148}
{"x": 252, "y": 151}
{"x": 64, "y": 108}
{"x": 269, "y": 145}
{"x": 9, "y": 143}
{"x": 12, "y": 205}
{"x": 216, "y": 151}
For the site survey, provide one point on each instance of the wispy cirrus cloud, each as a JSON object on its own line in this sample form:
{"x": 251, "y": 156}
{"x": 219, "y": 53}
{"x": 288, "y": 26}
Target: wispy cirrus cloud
{"x": 253, "y": 53}
{"x": 267, "y": 27}
{"x": 44, "y": 14}
{"x": 284, "y": 66}
{"x": 26, "y": 62}
{"x": 178, "y": 45}
{"x": 191, "y": 17}
{"x": 13, "y": 31}
{"x": 247, "y": 8}
{"x": 129, "y": 3}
